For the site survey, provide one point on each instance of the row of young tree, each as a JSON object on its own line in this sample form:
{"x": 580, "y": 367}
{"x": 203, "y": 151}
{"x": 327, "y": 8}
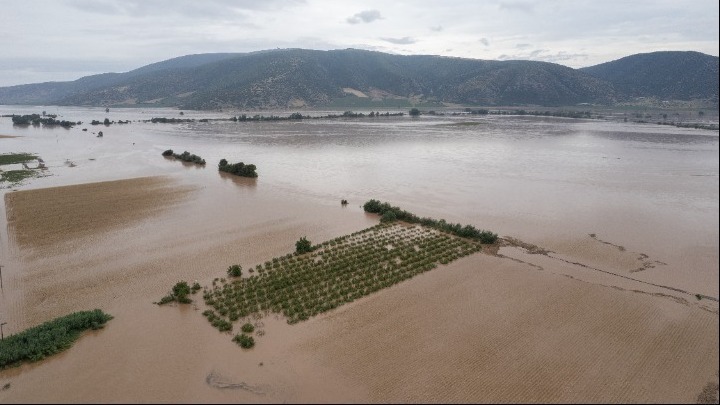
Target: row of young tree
{"x": 332, "y": 274}
{"x": 389, "y": 213}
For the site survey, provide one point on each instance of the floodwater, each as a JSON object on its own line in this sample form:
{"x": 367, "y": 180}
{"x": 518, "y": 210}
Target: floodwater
{"x": 549, "y": 181}
{"x": 638, "y": 201}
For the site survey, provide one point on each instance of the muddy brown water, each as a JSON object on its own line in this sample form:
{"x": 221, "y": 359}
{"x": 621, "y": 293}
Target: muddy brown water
{"x": 638, "y": 201}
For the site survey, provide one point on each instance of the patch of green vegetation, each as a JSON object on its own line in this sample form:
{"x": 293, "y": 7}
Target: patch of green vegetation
{"x": 244, "y": 341}
{"x": 234, "y": 270}
{"x": 238, "y": 169}
{"x": 14, "y": 158}
{"x": 389, "y": 213}
{"x": 16, "y": 176}
{"x": 49, "y": 338}
{"x": 179, "y": 293}
{"x": 336, "y": 272}
{"x": 303, "y": 246}
{"x": 247, "y": 328}
{"x": 185, "y": 157}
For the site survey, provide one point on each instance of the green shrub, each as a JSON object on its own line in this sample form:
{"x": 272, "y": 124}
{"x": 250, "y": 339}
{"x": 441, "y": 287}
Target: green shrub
{"x": 168, "y": 152}
{"x": 248, "y": 328}
{"x": 234, "y": 271}
{"x": 303, "y": 246}
{"x": 245, "y": 341}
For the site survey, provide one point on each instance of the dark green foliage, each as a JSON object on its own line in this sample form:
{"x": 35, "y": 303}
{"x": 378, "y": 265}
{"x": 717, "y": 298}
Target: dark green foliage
{"x": 247, "y": 328}
{"x": 14, "y": 158}
{"x": 303, "y": 246}
{"x": 238, "y": 169}
{"x": 168, "y": 152}
{"x": 48, "y": 338}
{"x": 388, "y": 216}
{"x": 16, "y": 176}
{"x": 195, "y": 287}
{"x": 188, "y": 157}
{"x": 36, "y": 120}
{"x": 389, "y": 213}
{"x": 234, "y": 271}
{"x": 179, "y": 293}
{"x": 414, "y": 112}
{"x": 244, "y": 341}
{"x": 334, "y": 273}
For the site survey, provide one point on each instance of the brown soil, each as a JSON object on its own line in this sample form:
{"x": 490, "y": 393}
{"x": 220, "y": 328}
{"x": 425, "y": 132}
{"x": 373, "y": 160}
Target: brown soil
{"x": 482, "y": 329}
{"x": 53, "y": 215}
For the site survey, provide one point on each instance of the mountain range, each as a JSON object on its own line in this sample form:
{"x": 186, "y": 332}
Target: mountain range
{"x": 296, "y": 78}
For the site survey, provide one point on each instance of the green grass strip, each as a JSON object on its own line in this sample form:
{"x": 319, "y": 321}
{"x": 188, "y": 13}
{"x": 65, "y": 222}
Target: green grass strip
{"x": 49, "y": 338}
{"x": 13, "y": 158}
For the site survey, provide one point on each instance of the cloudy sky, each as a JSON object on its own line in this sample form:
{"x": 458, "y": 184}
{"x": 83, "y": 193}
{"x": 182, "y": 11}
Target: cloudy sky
{"x": 51, "y": 40}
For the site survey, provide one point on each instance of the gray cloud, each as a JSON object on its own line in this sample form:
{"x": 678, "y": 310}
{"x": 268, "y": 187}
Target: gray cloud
{"x": 366, "y": 16}
{"x": 485, "y": 41}
{"x": 436, "y": 28}
{"x": 522, "y": 46}
{"x": 400, "y": 41}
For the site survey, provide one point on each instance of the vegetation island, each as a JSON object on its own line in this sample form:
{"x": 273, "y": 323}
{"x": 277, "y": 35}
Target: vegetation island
{"x": 238, "y": 169}
{"x": 16, "y": 176}
{"x": 316, "y": 279}
{"x": 185, "y": 157}
{"x": 49, "y": 338}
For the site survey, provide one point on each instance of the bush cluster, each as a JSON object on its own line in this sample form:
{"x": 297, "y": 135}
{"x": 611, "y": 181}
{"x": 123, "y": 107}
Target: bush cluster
{"x": 185, "y": 157}
{"x": 36, "y": 120}
{"x": 179, "y": 293}
{"x": 49, "y": 338}
{"x": 388, "y": 213}
{"x": 238, "y": 169}
{"x": 244, "y": 341}
{"x": 234, "y": 271}
{"x": 303, "y": 246}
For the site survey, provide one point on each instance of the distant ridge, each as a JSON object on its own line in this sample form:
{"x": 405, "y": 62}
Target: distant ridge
{"x": 296, "y": 78}
{"x": 662, "y": 75}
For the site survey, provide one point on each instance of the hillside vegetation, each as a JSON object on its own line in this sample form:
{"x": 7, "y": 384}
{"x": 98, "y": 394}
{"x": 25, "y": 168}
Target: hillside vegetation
{"x": 295, "y": 78}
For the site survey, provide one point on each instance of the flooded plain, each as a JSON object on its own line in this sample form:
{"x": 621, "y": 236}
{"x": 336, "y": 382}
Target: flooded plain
{"x": 605, "y": 291}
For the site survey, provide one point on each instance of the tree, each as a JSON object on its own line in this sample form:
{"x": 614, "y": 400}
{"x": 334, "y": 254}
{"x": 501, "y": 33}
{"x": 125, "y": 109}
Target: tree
{"x": 414, "y": 112}
{"x": 106, "y": 122}
{"x": 303, "y": 246}
{"x": 234, "y": 271}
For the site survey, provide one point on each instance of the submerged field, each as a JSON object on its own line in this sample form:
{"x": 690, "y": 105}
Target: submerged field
{"x": 613, "y": 231}
{"x": 337, "y": 272}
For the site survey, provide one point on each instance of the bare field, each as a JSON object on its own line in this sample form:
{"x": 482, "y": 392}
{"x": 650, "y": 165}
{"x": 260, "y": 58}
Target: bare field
{"x": 53, "y": 215}
{"x": 486, "y": 329}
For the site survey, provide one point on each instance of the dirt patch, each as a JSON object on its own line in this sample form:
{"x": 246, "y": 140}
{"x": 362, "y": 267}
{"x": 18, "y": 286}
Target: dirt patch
{"x": 51, "y": 216}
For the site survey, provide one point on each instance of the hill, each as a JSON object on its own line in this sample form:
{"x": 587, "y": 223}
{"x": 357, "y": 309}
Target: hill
{"x": 662, "y": 75}
{"x": 293, "y": 78}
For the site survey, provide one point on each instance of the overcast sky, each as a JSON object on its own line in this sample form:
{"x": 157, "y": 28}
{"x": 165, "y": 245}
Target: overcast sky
{"x": 52, "y": 40}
